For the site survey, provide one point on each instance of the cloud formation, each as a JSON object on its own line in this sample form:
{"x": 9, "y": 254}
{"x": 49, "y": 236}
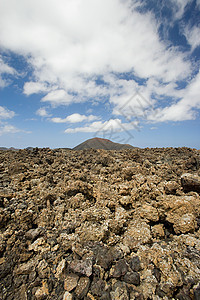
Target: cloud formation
{"x": 179, "y": 7}
{"x": 42, "y": 112}
{"x": 6, "y": 113}
{"x": 110, "y": 126}
{"x": 6, "y": 128}
{"x": 184, "y": 109}
{"x": 75, "y": 118}
{"x": 193, "y": 36}
{"x": 5, "y": 70}
{"x": 79, "y": 50}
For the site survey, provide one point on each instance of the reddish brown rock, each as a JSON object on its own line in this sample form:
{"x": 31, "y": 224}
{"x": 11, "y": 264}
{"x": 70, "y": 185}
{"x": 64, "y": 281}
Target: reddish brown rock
{"x": 82, "y": 267}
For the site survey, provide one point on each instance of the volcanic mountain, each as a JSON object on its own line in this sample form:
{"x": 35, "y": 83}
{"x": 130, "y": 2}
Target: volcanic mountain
{"x": 99, "y": 143}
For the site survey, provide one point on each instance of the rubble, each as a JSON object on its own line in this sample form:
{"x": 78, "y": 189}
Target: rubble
{"x": 96, "y": 224}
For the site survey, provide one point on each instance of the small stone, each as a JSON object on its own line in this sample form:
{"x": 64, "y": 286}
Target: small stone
{"x": 182, "y": 295}
{"x": 82, "y": 287}
{"x": 171, "y": 187}
{"x": 135, "y": 264}
{"x": 98, "y": 271}
{"x": 147, "y": 164}
{"x": 105, "y": 296}
{"x": 132, "y": 278}
{"x": 149, "y": 212}
{"x": 157, "y": 274}
{"x": 137, "y": 233}
{"x": 119, "y": 269}
{"x": 33, "y": 233}
{"x": 97, "y": 287}
{"x": 190, "y": 182}
{"x": 71, "y": 282}
{"x": 82, "y": 267}
{"x": 158, "y": 230}
{"x": 42, "y": 292}
{"x": 60, "y": 269}
{"x": 186, "y": 223}
{"x": 125, "y": 249}
{"x": 37, "y": 245}
{"x": 25, "y": 268}
{"x": 90, "y": 297}
{"x": 67, "y": 296}
{"x": 119, "y": 291}
{"x": 43, "y": 269}
{"x": 104, "y": 257}
{"x": 197, "y": 293}
{"x": 22, "y": 293}
{"x": 5, "y": 269}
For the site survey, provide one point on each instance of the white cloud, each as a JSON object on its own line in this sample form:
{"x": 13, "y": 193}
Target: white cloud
{"x": 42, "y": 112}
{"x": 70, "y": 44}
{"x": 6, "y": 129}
{"x": 193, "y": 36}
{"x": 153, "y": 128}
{"x": 6, "y": 113}
{"x": 35, "y": 88}
{"x": 183, "y": 109}
{"x": 58, "y": 97}
{"x": 113, "y": 125}
{"x": 75, "y": 118}
{"x": 78, "y": 49}
{"x": 5, "y": 69}
{"x": 179, "y": 7}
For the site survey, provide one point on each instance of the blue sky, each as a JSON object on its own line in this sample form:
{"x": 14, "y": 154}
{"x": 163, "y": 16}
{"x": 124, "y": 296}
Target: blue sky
{"x": 124, "y": 70}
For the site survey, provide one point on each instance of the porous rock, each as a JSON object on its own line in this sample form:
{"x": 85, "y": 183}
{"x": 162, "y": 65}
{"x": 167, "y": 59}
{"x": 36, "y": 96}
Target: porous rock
{"x": 96, "y": 224}
{"x": 190, "y": 182}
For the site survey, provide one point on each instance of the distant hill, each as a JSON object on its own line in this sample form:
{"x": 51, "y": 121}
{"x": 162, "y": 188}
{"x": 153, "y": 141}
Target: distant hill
{"x": 99, "y": 143}
{"x": 5, "y": 149}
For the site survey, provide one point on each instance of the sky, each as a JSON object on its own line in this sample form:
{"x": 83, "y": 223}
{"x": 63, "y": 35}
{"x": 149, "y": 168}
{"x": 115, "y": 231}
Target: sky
{"x": 126, "y": 70}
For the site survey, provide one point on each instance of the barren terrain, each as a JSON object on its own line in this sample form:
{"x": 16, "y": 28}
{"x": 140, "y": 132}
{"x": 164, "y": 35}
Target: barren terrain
{"x": 96, "y": 224}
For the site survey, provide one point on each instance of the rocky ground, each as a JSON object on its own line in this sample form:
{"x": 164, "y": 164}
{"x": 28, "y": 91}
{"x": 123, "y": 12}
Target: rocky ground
{"x": 98, "y": 224}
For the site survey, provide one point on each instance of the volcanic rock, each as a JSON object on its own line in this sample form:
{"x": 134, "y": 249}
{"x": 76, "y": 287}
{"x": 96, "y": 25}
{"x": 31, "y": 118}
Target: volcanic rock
{"x": 71, "y": 281}
{"x": 97, "y": 224}
{"x": 190, "y": 182}
{"x": 82, "y": 287}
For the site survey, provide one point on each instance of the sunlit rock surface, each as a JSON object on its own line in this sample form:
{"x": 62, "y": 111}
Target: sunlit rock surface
{"x": 97, "y": 224}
